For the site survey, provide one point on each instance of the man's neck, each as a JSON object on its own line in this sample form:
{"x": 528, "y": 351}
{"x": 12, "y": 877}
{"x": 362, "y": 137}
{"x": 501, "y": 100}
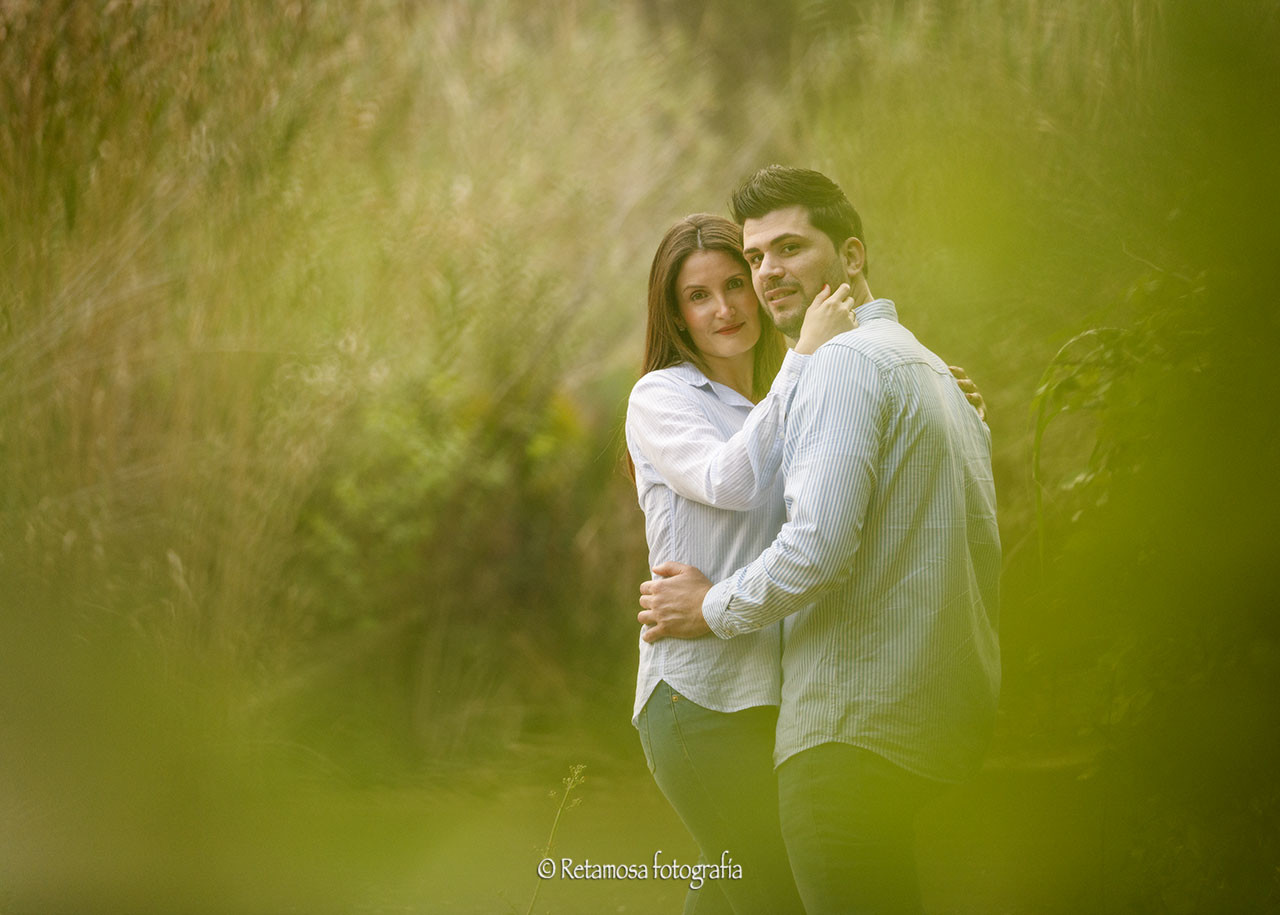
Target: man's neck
{"x": 860, "y": 291}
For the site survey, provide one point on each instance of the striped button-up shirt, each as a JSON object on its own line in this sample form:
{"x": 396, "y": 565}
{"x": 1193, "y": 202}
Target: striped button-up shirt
{"x": 889, "y": 559}
{"x": 707, "y": 463}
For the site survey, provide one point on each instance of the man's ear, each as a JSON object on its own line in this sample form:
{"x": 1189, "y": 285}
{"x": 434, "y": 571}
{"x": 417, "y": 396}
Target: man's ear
{"x": 854, "y": 256}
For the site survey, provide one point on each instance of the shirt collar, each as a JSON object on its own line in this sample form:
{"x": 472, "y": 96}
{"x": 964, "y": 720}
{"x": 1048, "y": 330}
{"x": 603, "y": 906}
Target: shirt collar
{"x": 691, "y": 375}
{"x": 876, "y": 308}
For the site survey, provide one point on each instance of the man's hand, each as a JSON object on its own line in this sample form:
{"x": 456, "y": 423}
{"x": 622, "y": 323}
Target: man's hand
{"x": 971, "y": 392}
{"x": 673, "y": 603}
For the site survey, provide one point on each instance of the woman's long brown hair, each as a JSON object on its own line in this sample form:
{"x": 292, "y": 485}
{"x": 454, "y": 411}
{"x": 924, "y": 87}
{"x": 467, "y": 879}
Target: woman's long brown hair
{"x": 665, "y": 344}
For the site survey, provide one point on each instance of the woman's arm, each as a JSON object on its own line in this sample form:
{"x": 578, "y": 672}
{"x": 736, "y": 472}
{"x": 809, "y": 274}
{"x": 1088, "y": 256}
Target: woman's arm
{"x": 828, "y": 488}
{"x": 667, "y": 425}
{"x": 669, "y": 428}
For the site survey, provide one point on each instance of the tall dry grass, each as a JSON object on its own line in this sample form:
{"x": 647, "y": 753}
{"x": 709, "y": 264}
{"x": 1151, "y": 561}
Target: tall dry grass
{"x": 317, "y": 322}
{"x": 304, "y": 320}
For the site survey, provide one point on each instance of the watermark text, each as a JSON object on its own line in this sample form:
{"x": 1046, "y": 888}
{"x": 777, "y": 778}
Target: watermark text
{"x": 659, "y": 868}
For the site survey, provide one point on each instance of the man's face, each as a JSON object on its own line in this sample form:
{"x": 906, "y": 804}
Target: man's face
{"x": 790, "y": 262}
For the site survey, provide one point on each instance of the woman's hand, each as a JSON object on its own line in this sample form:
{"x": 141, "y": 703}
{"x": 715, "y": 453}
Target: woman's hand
{"x": 971, "y": 392}
{"x": 831, "y": 313}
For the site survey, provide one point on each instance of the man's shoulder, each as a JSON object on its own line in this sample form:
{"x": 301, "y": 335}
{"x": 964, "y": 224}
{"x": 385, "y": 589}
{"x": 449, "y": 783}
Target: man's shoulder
{"x": 847, "y": 363}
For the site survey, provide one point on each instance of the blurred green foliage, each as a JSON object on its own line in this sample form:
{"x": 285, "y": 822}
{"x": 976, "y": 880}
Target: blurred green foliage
{"x": 316, "y": 327}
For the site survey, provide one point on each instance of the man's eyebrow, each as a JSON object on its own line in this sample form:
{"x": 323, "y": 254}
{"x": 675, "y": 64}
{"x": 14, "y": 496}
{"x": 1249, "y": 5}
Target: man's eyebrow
{"x": 773, "y": 241}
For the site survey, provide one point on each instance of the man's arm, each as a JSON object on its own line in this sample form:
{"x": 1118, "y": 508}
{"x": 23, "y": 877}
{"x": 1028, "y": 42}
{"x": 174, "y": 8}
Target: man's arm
{"x": 837, "y": 420}
{"x": 673, "y": 603}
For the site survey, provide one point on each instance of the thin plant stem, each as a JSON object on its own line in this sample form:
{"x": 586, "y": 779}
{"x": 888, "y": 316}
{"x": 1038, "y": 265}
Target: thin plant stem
{"x": 574, "y": 779}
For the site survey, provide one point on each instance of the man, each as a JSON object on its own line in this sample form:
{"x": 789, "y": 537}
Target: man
{"x": 886, "y": 569}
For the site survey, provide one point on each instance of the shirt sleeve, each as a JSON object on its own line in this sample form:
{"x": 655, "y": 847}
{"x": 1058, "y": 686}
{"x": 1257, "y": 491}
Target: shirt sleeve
{"x": 837, "y": 423}
{"x": 694, "y": 458}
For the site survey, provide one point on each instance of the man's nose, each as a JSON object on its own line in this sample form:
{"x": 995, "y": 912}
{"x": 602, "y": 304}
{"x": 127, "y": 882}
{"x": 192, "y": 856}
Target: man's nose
{"x": 769, "y": 266}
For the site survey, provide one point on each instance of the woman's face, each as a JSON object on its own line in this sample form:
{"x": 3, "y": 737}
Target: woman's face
{"x": 718, "y": 304}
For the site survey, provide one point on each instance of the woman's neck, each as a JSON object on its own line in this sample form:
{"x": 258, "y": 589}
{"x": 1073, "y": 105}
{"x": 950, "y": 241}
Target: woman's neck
{"x": 737, "y": 372}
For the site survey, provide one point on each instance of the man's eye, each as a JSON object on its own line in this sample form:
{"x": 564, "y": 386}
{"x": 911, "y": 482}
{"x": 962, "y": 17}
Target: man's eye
{"x": 790, "y": 249}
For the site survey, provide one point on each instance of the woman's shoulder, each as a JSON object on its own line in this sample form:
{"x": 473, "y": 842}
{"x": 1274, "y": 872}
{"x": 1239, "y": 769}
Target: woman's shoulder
{"x": 660, "y": 395}
{"x": 681, "y": 379}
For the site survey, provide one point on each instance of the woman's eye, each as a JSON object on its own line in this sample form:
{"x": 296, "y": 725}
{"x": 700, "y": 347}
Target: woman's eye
{"x": 735, "y": 283}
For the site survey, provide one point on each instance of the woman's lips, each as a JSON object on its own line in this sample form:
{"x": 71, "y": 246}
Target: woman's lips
{"x": 731, "y": 329}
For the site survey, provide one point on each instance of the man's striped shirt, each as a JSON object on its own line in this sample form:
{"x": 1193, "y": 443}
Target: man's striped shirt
{"x": 889, "y": 559}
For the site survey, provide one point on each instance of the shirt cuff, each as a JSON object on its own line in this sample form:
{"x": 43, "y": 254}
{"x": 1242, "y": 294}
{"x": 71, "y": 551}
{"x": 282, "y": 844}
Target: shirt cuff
{"x": 715, "y": 610}
{"x": 792, "y": 364}
{"x": 715, "y": 606}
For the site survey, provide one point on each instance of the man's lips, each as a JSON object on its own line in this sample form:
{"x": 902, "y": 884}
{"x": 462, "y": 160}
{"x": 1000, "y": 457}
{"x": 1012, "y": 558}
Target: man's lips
{"x": 731, "y": 329}
{"x": 780, "y": 292}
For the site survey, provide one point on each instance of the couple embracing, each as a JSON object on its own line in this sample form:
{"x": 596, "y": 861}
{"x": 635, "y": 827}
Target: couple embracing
{"x": 818, "y": 653}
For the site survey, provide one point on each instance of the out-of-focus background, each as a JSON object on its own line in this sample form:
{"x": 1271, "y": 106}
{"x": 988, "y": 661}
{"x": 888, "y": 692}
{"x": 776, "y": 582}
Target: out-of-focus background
{"x": 317, "y": 322}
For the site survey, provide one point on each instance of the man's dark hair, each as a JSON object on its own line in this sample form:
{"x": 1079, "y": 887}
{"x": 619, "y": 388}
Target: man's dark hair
{"x": 775, "y": 187}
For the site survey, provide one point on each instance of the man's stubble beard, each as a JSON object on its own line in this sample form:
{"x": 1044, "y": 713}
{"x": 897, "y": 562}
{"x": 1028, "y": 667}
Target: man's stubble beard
{"x": 790, "y": 327}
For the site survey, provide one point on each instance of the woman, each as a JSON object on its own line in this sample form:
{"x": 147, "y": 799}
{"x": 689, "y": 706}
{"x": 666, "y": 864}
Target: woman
{"x": 704, "y": 432}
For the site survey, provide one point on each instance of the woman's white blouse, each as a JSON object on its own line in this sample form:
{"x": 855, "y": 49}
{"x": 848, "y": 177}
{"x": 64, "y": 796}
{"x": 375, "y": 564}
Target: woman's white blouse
{"x": 707, "y": 463}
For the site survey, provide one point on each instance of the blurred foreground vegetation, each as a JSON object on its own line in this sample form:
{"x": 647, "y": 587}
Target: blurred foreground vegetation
{"x": 317, "y": 323}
